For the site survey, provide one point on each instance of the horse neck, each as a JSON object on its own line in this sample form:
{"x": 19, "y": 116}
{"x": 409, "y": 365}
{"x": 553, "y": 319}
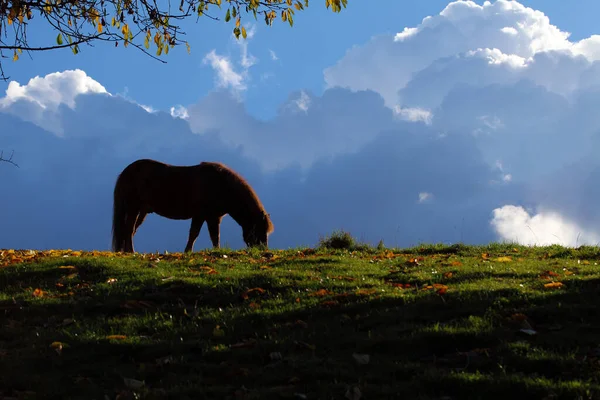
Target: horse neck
{"x": 243, "y": 213}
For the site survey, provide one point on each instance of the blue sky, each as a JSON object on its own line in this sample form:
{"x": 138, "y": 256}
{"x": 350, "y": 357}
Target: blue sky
{"x": 477, "y": 124}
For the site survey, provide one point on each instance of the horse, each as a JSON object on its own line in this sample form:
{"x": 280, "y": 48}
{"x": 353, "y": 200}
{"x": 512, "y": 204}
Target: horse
{"x": 203, "y": 192}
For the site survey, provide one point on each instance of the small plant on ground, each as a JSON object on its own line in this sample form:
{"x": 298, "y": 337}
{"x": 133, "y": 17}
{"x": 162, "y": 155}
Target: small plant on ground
{"x": 338, "y": 240}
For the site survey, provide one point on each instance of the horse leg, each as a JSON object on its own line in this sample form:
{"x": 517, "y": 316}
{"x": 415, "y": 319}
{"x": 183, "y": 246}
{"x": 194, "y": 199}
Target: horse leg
{"x": 213, "y": 230}
{"x": 140, "y": 218}
{"x": 129, "y": 232}
{"x": 194, "y": 232}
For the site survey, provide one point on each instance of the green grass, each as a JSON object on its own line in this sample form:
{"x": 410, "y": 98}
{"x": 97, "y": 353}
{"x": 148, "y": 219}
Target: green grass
{"x": 435, "y": 321}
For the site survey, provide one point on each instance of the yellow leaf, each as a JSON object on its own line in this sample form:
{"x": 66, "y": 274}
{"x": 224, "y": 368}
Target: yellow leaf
{"x": 243, "y": 32}
{"x": 116, "y": 337}
{"x": 38, "y": 293}
{"x": 99, "y": 28}
{"x": 187, "y": 45}
{"x": 503, "y": 259}
{"x": 554, "y": 285}
{"x": 15, "y": 56}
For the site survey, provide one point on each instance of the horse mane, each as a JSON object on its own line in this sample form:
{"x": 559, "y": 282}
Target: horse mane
{"x": 243, "y": 188}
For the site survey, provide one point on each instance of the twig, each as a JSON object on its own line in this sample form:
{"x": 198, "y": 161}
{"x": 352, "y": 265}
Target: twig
{"x": 9, "y": 159}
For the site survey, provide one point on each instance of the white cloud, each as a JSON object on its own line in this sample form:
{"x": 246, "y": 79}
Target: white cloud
{"x": 515, "y": 224}
{"x": 273, "y": 55}
{"x": 226, "y": 77}
{"x": 38, "y": 100}
{"x": 179, "y": 111}
{"x": 303, "y": 102}
{"x": 52, "y": 90}
{"x": 504, "y": 33}
{"x": 425, "y": 197}
{"x": 414, "y": 114}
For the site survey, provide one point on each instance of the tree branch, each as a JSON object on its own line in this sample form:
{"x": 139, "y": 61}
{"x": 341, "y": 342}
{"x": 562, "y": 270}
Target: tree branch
{"x": 9, "y": 159}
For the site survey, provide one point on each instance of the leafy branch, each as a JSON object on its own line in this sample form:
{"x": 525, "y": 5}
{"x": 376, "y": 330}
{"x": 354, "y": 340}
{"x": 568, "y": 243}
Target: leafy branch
{"x": 140, "y": 23}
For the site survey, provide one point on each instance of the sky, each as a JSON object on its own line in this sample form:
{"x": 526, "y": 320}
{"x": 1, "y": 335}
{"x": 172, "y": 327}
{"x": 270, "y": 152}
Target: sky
{"x": 408, "y": 122}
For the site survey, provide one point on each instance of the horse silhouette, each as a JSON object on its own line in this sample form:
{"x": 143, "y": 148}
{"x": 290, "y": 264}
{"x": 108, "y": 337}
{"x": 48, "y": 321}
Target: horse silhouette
{"x": 202, "y": 192}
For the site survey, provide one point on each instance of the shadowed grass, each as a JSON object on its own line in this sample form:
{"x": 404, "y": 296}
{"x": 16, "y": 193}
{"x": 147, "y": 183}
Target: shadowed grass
{"x": 435, "y": 321}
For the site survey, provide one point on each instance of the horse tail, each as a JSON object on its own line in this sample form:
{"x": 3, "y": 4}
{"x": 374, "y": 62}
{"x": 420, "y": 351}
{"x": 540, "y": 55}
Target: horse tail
{"x": 119, "y": 214}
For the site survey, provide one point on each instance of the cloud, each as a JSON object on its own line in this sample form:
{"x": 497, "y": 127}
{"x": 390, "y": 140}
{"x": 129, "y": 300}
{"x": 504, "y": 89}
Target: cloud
{"x": 503, "y": 33}
{"x": 179, "y": 111}
{"x": 273, "y": 55}
{"x": 226, "y": 76}
{"x": 515, "y": 224}
{"x": 38, "y": 100}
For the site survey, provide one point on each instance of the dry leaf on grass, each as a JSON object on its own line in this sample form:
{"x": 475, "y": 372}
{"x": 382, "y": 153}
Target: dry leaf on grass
{"x": 553, "y": 285}
{"x": 116, "y": 337}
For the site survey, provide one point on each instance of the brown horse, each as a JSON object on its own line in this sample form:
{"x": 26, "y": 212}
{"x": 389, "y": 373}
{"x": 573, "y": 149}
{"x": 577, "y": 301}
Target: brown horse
{"x": 203, "y": 192}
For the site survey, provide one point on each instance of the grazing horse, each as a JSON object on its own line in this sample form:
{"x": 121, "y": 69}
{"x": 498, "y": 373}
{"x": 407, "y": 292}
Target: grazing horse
{"x": 202, "y": 192}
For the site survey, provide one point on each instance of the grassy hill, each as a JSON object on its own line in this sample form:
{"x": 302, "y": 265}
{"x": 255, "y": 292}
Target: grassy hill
{"x": 434, "y": 322}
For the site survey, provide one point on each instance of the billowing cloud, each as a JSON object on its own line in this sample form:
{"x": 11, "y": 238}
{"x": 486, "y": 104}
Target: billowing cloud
{"x": 39, "y": 99}
{"x": 515, "y": 224}
{"x": 511, "y": 40}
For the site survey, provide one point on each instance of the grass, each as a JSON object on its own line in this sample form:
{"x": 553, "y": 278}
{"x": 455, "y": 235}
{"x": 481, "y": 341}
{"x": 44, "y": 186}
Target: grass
{"x": 431, "y": 322}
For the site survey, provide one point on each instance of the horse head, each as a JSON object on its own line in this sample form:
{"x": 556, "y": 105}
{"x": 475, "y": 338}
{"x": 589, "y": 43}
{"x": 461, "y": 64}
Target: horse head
{"x": 257, "y": 232}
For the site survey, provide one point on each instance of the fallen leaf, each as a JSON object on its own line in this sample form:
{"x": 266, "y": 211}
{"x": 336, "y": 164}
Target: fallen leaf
{"x": 442, "y": 290}
{"x": 58, "y": 346}
{"x": 66, "y": 267}
{"x": 553, "y": 285}
{"x": 329, "y": 303}
{"x": 455, "y": 263}
{"x": 116, "y": 337}
{"x": 111, "y": 280}
{"x": 254, "y": 305}
{"x": 518, "y": 317}
{"x": 321, "y": 293}
{"x": 415, "y": 260}
{"x": 567, "y": 273}
{"x": 548, "y": 274}
{"x": 448, "y": 275}
{"x": 365, "y": 292}
{"x": 265, "y": 267}
{"x": 503, "y": 259}
{"x": 401, "y": 285}
{"x": 257, "y": 290}
{"x": 485, "y": 256}
{"x": 38, "y": 293}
